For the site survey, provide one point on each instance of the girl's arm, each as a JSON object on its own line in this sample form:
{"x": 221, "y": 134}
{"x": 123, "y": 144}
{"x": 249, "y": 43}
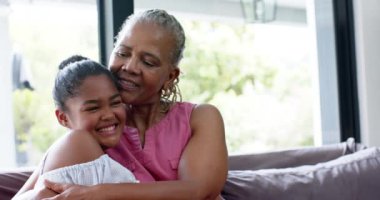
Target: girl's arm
{"x": 29, "y": 184}
{"x": 73, "y": 148}
{"x": 27, "y": 191}
{"x": 202, "y": 170}
{"x": 35, "y": 194}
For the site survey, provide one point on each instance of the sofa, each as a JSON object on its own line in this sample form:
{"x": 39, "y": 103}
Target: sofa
{"x": 347, "y": 171}
{"x": 344, "y": 171}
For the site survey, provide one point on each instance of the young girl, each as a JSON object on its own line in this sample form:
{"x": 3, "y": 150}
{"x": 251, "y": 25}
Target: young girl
{"x": 89, "y": 104}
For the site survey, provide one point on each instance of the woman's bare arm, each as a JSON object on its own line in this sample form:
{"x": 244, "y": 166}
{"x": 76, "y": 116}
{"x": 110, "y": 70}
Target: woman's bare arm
{"x": 204, "y": 161}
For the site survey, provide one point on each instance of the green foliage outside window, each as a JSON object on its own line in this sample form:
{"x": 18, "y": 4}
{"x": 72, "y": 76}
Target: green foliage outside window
{"x": 219, "y": 67}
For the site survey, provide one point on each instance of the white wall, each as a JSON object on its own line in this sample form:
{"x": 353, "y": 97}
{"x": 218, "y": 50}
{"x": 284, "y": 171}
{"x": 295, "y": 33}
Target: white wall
{"x": 367, "y": 33}
{"x": 7, "y": 144}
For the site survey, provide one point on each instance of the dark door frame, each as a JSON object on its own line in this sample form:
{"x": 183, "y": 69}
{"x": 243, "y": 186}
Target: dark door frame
{"x": 111, "y": 15}
{"x": 346, "y": 70}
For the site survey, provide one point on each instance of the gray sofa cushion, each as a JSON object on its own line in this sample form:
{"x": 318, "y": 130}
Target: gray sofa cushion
{"x": 351, "y": 177}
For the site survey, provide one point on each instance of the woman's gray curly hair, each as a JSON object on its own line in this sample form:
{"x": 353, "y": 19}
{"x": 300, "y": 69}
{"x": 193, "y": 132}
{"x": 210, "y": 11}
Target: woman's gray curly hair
{"x": 164, "y": 20}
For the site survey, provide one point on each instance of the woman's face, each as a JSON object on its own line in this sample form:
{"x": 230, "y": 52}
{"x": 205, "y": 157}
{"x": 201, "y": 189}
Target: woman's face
{"x": 97, "y": 109}
{"x": 142, "y": 62}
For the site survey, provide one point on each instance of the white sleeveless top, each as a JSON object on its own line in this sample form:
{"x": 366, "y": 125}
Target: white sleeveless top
{"x": 102, "y": 170}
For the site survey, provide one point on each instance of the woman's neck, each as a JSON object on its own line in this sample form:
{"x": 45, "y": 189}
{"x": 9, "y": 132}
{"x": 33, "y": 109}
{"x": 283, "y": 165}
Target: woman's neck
{"x": 143, "y": 117}
{"x": 146, "y": 114}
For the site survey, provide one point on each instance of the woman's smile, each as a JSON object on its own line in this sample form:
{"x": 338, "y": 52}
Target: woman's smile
{"x": 128, "y": 85}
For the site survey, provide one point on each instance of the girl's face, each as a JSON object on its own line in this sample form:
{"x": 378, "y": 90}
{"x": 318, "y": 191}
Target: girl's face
{"x": 97, "y": 109}
{"x": 142, "y": 62}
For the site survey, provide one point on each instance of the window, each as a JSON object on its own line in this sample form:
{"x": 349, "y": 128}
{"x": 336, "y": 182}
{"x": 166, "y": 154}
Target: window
{"x": 274, "y": 77}
{"x": 260, "y": 75}
{"x": 43, "y": 33}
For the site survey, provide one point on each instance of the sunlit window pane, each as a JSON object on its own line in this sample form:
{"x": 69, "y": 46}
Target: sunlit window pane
{"x": 43, "y": 33}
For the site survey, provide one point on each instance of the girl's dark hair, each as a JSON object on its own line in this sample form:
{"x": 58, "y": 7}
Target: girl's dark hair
{"x": 72, "y": 72}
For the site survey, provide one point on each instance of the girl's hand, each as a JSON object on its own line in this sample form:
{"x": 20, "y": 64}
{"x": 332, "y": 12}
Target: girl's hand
{"x": 70, "y": 191}
{"x": 35, "y": 194}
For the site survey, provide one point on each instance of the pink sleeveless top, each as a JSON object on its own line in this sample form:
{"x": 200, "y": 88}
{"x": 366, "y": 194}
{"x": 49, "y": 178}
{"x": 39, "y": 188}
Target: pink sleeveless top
{"x": 164, "y": 144}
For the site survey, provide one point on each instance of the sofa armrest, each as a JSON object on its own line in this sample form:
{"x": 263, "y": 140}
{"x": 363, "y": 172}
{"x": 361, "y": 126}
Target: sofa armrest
{"x": 12, "y": 181}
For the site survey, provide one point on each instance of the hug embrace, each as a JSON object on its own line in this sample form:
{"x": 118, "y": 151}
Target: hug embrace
{"x": 131, "y": 136}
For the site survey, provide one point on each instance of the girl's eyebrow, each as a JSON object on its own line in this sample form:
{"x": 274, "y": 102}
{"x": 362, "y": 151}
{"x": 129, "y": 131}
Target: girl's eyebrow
{"x": 91, "y": 102}
{"x": 94, "y": 101}
{"x": 114, "y": 96}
